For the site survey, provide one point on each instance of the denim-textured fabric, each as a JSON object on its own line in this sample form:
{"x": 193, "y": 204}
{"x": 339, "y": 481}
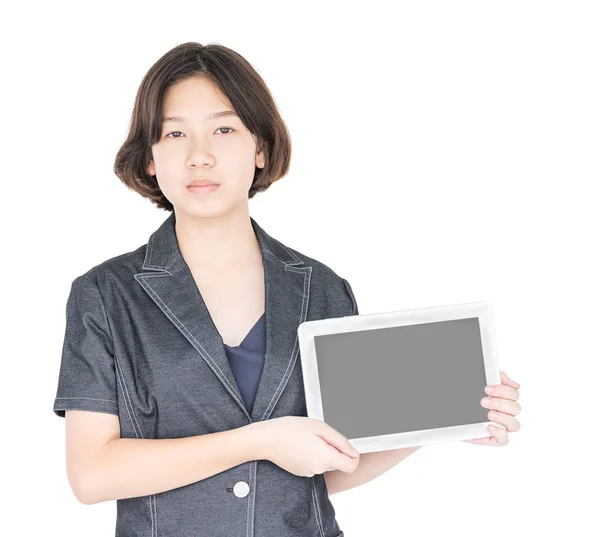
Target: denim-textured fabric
{"x": 247, "y": 359}
{"x": 140, "y": 343}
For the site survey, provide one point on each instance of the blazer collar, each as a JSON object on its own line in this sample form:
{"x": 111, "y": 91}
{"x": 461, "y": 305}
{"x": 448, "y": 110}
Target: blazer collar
{"x": 163, "y": 249}
{"x": 168, "y": 281}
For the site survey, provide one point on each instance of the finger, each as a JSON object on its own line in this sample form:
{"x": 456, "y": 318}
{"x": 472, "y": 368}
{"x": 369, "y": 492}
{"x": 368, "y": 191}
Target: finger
{"x": 480, "y": 441}
{"x": 341, "y": 461}
{"x": 508, "y": 381}
{"x": 511, "y": 423}
{"x": 499, "y": 438}
{"x": 503, "y": 391}
{"x": 499, "y": 434}
{"x": 337, "y": 440}
{"x": 486, "y": 441}
{"x": 501, "y": 405}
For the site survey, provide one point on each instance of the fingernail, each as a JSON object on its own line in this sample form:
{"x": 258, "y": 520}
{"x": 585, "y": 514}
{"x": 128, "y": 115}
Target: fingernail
{"x": 489, "y": 389}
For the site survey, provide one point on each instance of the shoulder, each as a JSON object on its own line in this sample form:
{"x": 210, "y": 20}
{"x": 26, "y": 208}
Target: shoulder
{"x": 319, "y": 270}
{"x": 121, "y": 267}
{"x": 327, "y": 282}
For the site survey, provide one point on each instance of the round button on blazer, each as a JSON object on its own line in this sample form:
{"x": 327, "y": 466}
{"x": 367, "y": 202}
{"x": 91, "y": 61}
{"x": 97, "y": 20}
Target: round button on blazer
{"x": 140, "y": 343}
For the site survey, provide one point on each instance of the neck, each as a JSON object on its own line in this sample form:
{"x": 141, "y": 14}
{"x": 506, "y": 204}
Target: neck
{"x": 219, "y": 242}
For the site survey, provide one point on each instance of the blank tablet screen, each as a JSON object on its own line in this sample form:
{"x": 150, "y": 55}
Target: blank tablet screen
{"x": 401, "y": 379}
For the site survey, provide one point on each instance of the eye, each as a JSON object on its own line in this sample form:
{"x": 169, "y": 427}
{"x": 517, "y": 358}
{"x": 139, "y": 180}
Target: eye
{"x": 179, "y": 132}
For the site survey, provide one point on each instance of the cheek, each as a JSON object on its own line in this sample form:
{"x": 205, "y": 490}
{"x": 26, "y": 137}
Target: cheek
{"x": 168, "y": 148}
{"x": 168, "y": 156}
{"x": 169, "y": 168}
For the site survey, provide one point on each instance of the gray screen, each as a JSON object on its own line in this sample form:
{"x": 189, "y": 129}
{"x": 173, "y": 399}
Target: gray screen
{"x": 401, "y": 379}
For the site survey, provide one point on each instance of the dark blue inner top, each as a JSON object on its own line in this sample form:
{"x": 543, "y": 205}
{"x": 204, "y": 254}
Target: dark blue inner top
{"x": 247, "y": 359}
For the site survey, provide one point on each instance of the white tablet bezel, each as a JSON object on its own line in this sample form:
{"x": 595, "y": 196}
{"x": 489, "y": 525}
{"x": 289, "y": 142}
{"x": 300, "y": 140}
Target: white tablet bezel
{"x": 309, "y": 329}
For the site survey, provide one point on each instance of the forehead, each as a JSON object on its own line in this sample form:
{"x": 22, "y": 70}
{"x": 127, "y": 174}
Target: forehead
{"x": 196, "y": 99}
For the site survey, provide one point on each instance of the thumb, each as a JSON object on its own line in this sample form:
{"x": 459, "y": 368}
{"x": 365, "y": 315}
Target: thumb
{"x": 339, "y": 461}
{"x": 338, "y": 441}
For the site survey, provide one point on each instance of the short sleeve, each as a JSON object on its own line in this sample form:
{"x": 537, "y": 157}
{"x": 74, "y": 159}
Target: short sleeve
{"x": 351, "y": 298}
{"x": 87, "y": 379}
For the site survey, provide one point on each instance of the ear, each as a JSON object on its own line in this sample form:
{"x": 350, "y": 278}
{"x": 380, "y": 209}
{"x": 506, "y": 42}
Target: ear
{"x": 151, "y": 169}
{"x": 260, "y": 158}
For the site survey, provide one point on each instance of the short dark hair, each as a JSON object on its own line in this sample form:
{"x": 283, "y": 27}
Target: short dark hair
{"x": 243, "y": 86}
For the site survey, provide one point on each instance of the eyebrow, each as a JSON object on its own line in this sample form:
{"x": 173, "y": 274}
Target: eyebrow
{"x": 213, "y": 115}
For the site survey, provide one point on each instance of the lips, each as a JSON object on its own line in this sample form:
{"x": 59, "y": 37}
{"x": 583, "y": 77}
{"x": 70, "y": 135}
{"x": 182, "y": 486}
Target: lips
{"x": 202, "y": 182}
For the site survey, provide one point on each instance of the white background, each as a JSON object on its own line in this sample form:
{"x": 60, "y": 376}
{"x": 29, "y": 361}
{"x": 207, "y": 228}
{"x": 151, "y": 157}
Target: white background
{"x": 443, "y": 152}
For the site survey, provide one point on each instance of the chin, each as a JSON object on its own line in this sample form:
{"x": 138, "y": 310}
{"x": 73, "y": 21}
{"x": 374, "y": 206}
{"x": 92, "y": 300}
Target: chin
{"x": 200, "y": 209}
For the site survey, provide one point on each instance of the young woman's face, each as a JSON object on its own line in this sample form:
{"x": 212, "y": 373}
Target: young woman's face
{"x": 198, "y": 146}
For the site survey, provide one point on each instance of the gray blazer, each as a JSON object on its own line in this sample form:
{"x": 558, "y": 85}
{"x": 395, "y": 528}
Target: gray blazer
{"x": 140, "y": 343}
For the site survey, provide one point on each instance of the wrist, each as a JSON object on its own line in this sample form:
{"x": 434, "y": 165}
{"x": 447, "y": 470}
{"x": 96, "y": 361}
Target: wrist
{"x": 255, "y": 440}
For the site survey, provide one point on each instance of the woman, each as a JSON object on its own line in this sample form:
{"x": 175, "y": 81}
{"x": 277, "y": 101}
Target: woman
{"x": 180, "y": 377}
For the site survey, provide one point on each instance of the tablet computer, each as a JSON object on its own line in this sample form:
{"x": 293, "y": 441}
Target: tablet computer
{"x": 400, "y": 379}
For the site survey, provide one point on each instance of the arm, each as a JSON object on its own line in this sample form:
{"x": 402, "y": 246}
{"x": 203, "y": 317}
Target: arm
{"x": 371, "y": 465}
{"x": 131, "y": 467}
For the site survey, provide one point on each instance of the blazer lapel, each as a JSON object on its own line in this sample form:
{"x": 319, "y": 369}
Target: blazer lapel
{"x": 169, "y": 282}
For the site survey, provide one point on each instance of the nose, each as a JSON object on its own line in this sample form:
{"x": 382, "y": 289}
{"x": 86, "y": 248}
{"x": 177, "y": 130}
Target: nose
{"x": 200, "y": 153}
